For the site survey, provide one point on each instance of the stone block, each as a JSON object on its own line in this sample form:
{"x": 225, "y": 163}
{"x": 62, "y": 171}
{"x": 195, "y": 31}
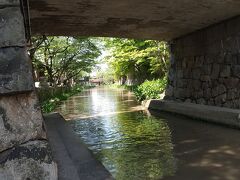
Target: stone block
{"x": 232, "y": 94}
{"x": 228, "y": 58}
{"x": 205, "y": 78}
{"x": 11, "y": 27}
{"x": 30, "y": 161}
{"x": 207, "y": 93}
{"x": 179, "y": 74}
{"x": 220, "y": 89}
{"x": 201, "y": 101}
{"x": 198, "y": 94}
{"x": 225, "y": 71}
{"x": 231, "y": 82}
{"x": 15, "y": 71}
{"x": 206, "y": 69}
{"x": 219, "y": 100}
{"x": 196, "y": 84}
{"x": 236, "y": 71}
{"x": 171, "y": 74}
{"x": 180, "y": 93}
{"x": 182, "y": 83}
{"x": 169, "y": 91}
{"x": 215, "y": 71}
{"x": 209, "y": 59}
{"x": 196, "y": 73}
{"x": 20, "y": 120}
{"x": 220, "y": 58}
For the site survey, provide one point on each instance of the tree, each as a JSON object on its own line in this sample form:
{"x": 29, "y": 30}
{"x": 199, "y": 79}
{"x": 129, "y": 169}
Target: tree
{"x": 137, "y": 60}
{"x": 63, "y": 59}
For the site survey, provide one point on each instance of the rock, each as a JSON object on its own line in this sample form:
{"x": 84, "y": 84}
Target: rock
{"x": 196, "y": 84}
{"x": 30, "y": 161}
{"x": 171, "y": 74}
{"x": 225, "y": 71}
{"x": 188, "y": 101}
{"x": 220, "y": 89}
{"x": 220, "y": 58}
{"x": 232, "y": 94}
{"x": 215, "y": 71}
{"x": 15, "y": 71}
{"x": 207, "y": 93}
{"x": 20, "y": 120}
{"x": 205, "y": 78}
{"x": 179, "y": 74}
{"x": 211, "y": 102}
{"x": 206, "y": 69}
{"x": 11, "y": 26}
{"x": 196, "y": 73}
{"x": 220, "y": 99}
{"x": 179, "y": 93}
{"x": 198, "y": 61}
{"x": 169, "y": 91}
{"x": 198, "y": 94}
{"x": 231, "y": 82}
{"x": 201, "y": 101}
{"x": 236, "y": 71}
{"x": 182, "y": 83}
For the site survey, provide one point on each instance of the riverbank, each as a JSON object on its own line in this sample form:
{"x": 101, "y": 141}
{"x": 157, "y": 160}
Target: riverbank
{"x": 50, "y": 98}
{"x": 147, "y": 90}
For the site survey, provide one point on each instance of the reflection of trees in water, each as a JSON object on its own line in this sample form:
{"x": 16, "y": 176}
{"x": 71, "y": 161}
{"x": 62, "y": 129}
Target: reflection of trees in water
{"x": 144, "y": 150}
{"x": 131, "y": 145}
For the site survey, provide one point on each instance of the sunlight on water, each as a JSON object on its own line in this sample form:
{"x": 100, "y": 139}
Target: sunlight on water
{"x": 130, "y": 143}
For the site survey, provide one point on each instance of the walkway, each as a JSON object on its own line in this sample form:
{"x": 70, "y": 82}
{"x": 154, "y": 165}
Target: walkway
{"x": 75, "y": 161}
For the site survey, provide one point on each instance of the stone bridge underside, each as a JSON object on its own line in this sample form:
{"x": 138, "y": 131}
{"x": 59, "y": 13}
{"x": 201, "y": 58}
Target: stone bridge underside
{"x": 204, "y": 38}
{"x": 147, "y": 19}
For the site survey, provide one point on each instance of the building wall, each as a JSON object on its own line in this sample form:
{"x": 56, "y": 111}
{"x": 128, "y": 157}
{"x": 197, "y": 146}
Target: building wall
{"x": 205, "y": 66}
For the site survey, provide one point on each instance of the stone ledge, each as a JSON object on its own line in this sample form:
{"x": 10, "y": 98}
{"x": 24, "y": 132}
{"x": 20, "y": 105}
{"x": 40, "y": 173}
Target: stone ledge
{"x": 226, "y": 116}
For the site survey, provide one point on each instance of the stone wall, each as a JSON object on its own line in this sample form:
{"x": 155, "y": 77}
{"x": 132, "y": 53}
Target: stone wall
{"x": 24, "y": 150}
{"x": 205, "y": 66}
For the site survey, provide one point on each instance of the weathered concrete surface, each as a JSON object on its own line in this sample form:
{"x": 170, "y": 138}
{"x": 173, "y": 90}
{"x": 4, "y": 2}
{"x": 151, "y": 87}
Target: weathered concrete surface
{"x": 20, "y": 120}
{"x": 74, "y": 159}
{"x": 15, "y": 71}
{"x": 214, "y": 114}
{"x": 205, "y": 66}
{"x": 30, "y": 161}
{"x": 149, "y": 19}
{"x": 10, "y": 3}
{"x": 12, "y": 31}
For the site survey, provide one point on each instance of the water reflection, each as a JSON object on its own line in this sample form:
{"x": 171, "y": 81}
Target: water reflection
{"x": 130, "y": 143}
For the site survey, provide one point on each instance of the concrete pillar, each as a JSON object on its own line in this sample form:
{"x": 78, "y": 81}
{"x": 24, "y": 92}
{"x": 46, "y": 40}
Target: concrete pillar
{"x": 205, "y": 66}
{"x": 24, "y": 150}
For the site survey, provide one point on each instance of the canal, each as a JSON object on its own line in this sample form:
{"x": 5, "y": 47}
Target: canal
{"x": 133, "y": 143}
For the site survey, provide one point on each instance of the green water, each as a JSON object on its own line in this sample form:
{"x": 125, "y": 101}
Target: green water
{"x": 129, "y": 142}
{"x": 133, "y": 144}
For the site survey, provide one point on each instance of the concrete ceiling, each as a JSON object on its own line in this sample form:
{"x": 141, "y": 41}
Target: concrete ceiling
{"x": 146, "y": 19}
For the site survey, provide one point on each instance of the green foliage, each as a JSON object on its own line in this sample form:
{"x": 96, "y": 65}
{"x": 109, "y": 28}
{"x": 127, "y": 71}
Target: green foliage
{"x": 61, "y": 59}
{"x": 50, "y": 98}
{"x": 137, "y": 60}
{"x": 150, "y": 89}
